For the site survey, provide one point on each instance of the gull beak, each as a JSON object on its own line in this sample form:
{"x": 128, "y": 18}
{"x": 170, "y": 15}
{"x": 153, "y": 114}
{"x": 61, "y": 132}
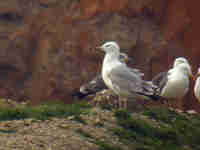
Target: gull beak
{"x": 126, "y": 59}
{"x": 99, "y": 48}
{"x": 191, "y": 76}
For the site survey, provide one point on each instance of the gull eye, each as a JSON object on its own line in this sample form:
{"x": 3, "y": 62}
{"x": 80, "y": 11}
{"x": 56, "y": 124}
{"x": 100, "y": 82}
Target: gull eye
{"x": 107, "y": 46}
{"x": 181, "y": 61}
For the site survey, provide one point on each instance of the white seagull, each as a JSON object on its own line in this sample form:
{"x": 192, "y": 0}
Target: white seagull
{"x": 174, "y": 84}
{"x": 197, "y": 86}
{"x": 118, "y": 77}
{"x": 97, "y": 84}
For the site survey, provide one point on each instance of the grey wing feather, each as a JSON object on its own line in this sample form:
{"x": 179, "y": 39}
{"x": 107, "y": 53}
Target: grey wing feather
{"x": 128, "y": 81}
{"x": 137, "y": 71}
{"x": 94, "y": 86}
{"x": 160, "y": 80}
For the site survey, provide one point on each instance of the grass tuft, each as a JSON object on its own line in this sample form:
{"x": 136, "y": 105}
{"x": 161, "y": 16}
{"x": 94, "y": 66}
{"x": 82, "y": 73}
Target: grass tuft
{"x": 44, "y": 111}
{"x": 78, "y": 118}
{"x": 173, "y": 131}
{"x": 105, "y": 146}
{"x": 165, "y": 115}
{"x": 7, "y": 131}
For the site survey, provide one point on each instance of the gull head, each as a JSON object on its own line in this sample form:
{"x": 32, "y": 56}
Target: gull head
{"x": 186, "y": 69}
{"x": 110, "y": 47}
{"x": 180, "y": 60}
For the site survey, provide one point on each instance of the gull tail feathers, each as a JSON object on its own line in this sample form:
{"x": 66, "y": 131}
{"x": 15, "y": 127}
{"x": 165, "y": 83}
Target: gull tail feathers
{"x": 79, "y": 95}
{"x": 151, "y": 96}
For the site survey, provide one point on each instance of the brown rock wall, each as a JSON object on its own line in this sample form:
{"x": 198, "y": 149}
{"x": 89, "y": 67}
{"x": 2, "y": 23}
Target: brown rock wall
{"x": 47, "y": 46}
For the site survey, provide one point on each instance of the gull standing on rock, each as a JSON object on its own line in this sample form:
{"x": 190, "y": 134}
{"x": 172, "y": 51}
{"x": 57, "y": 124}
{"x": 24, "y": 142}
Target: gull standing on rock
{"x": 119, "y": 77}
{"x": 161, "y": 79}
{"x": 97, "y": 84}
{"x": 174, "y": 84}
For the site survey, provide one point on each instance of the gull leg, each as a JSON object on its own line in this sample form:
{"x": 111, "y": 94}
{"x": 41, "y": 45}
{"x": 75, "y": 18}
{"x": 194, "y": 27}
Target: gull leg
{"x": 170, "y": 105}
{"x": 119, "y": 102}
{"x": 97, "y": 102}
{"x": 122, "y": 103}
{"x": 115, "y": 102}
{"x": 180, "y": 103}
{"x": 125, "y": 103}
{"x": 166, "y": 102}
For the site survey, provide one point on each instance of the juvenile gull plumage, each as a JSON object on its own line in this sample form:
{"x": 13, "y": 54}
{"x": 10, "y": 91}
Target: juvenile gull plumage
{"x": 118, "y": 77}
{"x": 97, "y": 84}
{"x": 197, "y": 86}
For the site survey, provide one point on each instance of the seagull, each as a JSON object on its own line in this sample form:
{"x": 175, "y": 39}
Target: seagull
{"x": 180, "y": 72}
{"x": 180, "y": 60}
{"x": 197, "y": 86}
{"x": 120, "y": 79}
{"x": 174, "y": 84}
{"x": 177, "y": 83}
{"x": 161, "y": 78}
{"x": 97, "y": 84}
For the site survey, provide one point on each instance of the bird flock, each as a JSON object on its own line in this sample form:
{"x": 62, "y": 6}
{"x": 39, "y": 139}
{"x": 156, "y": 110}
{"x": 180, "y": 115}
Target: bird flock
{"x": 128, "y": 83}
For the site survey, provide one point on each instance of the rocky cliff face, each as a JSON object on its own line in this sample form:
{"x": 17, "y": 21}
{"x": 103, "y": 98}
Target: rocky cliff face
{"x": 48, "y": 46}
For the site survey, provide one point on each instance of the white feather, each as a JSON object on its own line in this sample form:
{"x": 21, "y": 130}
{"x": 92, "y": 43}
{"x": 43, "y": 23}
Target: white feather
{"x": 197, "y": 89}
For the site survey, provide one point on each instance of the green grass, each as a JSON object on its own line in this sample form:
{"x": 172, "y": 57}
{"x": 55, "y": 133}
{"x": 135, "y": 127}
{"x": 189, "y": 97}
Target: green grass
{"x": 7, "y": 131}
{"x": 78, "y": 118}
{"x": 173, "y": 131}
{"x": 44, "y": 111}
{"x": 107, "y": 107}
{"x": 165, "y": 115}
{"x": 186, "y": 127}
{"x": 105, "y": 146}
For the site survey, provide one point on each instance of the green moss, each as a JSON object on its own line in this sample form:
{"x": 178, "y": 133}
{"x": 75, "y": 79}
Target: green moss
{"x": 6, "y": 131}
{"x": 163, "y": 114}
{"x": 80, "y": 119}
{"x": 44, "y": 111}
{"x": 122, "y": 114}
{"x": 105, "y": 146}
{"x": 173, "y": 131}
{"x": 185, "y": 128}
{"x": 107, "y": 106}
{"x": 124, "y": 134}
